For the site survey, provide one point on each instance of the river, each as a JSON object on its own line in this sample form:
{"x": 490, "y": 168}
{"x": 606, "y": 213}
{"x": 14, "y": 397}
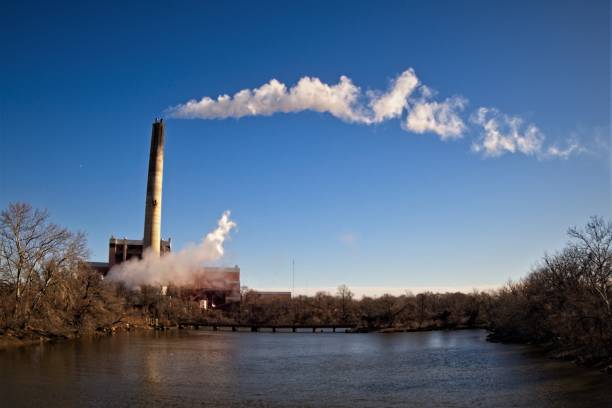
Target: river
{"x": 205, "y": 368}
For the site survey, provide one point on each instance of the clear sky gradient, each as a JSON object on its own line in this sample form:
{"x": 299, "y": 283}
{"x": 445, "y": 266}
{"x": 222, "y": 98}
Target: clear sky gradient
{"x": 369, "y": 206}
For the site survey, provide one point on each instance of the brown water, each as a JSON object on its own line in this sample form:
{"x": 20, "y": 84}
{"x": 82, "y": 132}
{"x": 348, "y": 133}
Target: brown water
{"x": 198, "y": 368}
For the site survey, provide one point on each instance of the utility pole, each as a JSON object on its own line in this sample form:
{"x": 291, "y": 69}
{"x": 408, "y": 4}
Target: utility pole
{"x": 293, "y": 278}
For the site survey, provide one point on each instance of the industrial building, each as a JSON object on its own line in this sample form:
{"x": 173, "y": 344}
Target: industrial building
{"x": 214, "y": 286}
{"x": 120, "y": 250}
{"x": 267, "y": 296}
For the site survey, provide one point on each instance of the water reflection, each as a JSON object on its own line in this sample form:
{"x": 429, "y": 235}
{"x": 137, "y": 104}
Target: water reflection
{"x": 287, "y": 369}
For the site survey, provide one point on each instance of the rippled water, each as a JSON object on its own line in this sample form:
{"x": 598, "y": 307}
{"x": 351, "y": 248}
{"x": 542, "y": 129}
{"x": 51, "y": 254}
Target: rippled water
{"x": 198, "y": 368}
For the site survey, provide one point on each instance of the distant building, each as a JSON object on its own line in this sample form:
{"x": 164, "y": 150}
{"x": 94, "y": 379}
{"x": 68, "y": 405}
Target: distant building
{"x": 216, "y": 286}
{"x": 267, "y": 296}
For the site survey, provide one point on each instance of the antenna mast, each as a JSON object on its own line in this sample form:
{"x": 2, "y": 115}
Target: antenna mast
{"x": 293, "y": 278}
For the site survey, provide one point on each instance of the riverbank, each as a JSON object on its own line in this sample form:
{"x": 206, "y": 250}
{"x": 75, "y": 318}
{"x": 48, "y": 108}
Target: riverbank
{"x": 9, "y": 342}
{"x": 554, "y": 350}
{"x": 23, "y": 338}
{"x": 15, "y": 340}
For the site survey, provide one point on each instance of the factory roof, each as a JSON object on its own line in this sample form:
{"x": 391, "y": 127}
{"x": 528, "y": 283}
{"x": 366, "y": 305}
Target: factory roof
{"x": 114, "y": 240}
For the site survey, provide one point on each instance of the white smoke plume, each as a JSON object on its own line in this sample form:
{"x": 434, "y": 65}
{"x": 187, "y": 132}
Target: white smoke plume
{"x": 343, "y": 100}
{"x": 179, "y": 268}
{"x": 503, "y": 133}
{"x": 573, "y": 147}
{"x": 441, "y": 118}
{"x": 496, "y": 133}
{"x": 391, "y": 104}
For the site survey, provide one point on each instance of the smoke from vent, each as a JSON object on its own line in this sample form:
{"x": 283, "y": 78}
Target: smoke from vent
{"x": 179, "y": 268}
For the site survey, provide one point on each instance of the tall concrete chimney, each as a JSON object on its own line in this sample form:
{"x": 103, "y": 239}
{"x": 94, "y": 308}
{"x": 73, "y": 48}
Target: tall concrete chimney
{"x": 153, "y": 205}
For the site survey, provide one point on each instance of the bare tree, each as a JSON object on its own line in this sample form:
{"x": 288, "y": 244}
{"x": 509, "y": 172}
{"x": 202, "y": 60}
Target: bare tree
{"x": 593, "y": 245}
{"x": 36, "y": 257}
{"x": 345, "y": 297}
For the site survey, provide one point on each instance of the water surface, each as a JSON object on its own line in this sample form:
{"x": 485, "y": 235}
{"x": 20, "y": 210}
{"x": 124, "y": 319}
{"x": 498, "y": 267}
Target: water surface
{"x": 199, "y": 368}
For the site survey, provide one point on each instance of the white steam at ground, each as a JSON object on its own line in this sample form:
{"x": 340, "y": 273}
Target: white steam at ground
{"x": 179, "y": 268}
{"x": 494, "y": 133}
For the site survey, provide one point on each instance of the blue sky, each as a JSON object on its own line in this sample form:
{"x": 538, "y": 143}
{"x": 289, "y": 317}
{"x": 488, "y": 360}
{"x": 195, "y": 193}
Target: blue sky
{"x": 366, "y": 205}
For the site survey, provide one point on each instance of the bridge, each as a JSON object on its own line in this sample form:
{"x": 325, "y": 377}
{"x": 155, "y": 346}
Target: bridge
{"x": 268, "y": 327}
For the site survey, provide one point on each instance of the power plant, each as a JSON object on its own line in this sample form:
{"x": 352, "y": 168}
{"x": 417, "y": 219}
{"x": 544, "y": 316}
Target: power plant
{"x": 214, "y": 286}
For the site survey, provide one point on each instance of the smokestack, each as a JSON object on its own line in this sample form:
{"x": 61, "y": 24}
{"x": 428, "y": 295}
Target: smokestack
{"x": 152, "y": 226}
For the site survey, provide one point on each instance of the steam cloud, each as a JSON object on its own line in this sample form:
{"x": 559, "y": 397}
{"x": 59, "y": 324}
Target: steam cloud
{"x": 342, "y": 100}
{"x": 179, "y": 268}
{"x": 495, "y": 134}
{"x": 503, "y": 133}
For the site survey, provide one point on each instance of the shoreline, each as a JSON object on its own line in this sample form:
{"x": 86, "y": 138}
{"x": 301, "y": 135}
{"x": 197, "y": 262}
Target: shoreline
{"x": 555, "y": 351}
{"x": 10, "y": 341}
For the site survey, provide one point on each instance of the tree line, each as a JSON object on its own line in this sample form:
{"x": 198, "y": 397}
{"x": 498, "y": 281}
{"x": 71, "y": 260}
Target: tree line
{"x": 565, "y": 301}
{"x": 48, "y": 289}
